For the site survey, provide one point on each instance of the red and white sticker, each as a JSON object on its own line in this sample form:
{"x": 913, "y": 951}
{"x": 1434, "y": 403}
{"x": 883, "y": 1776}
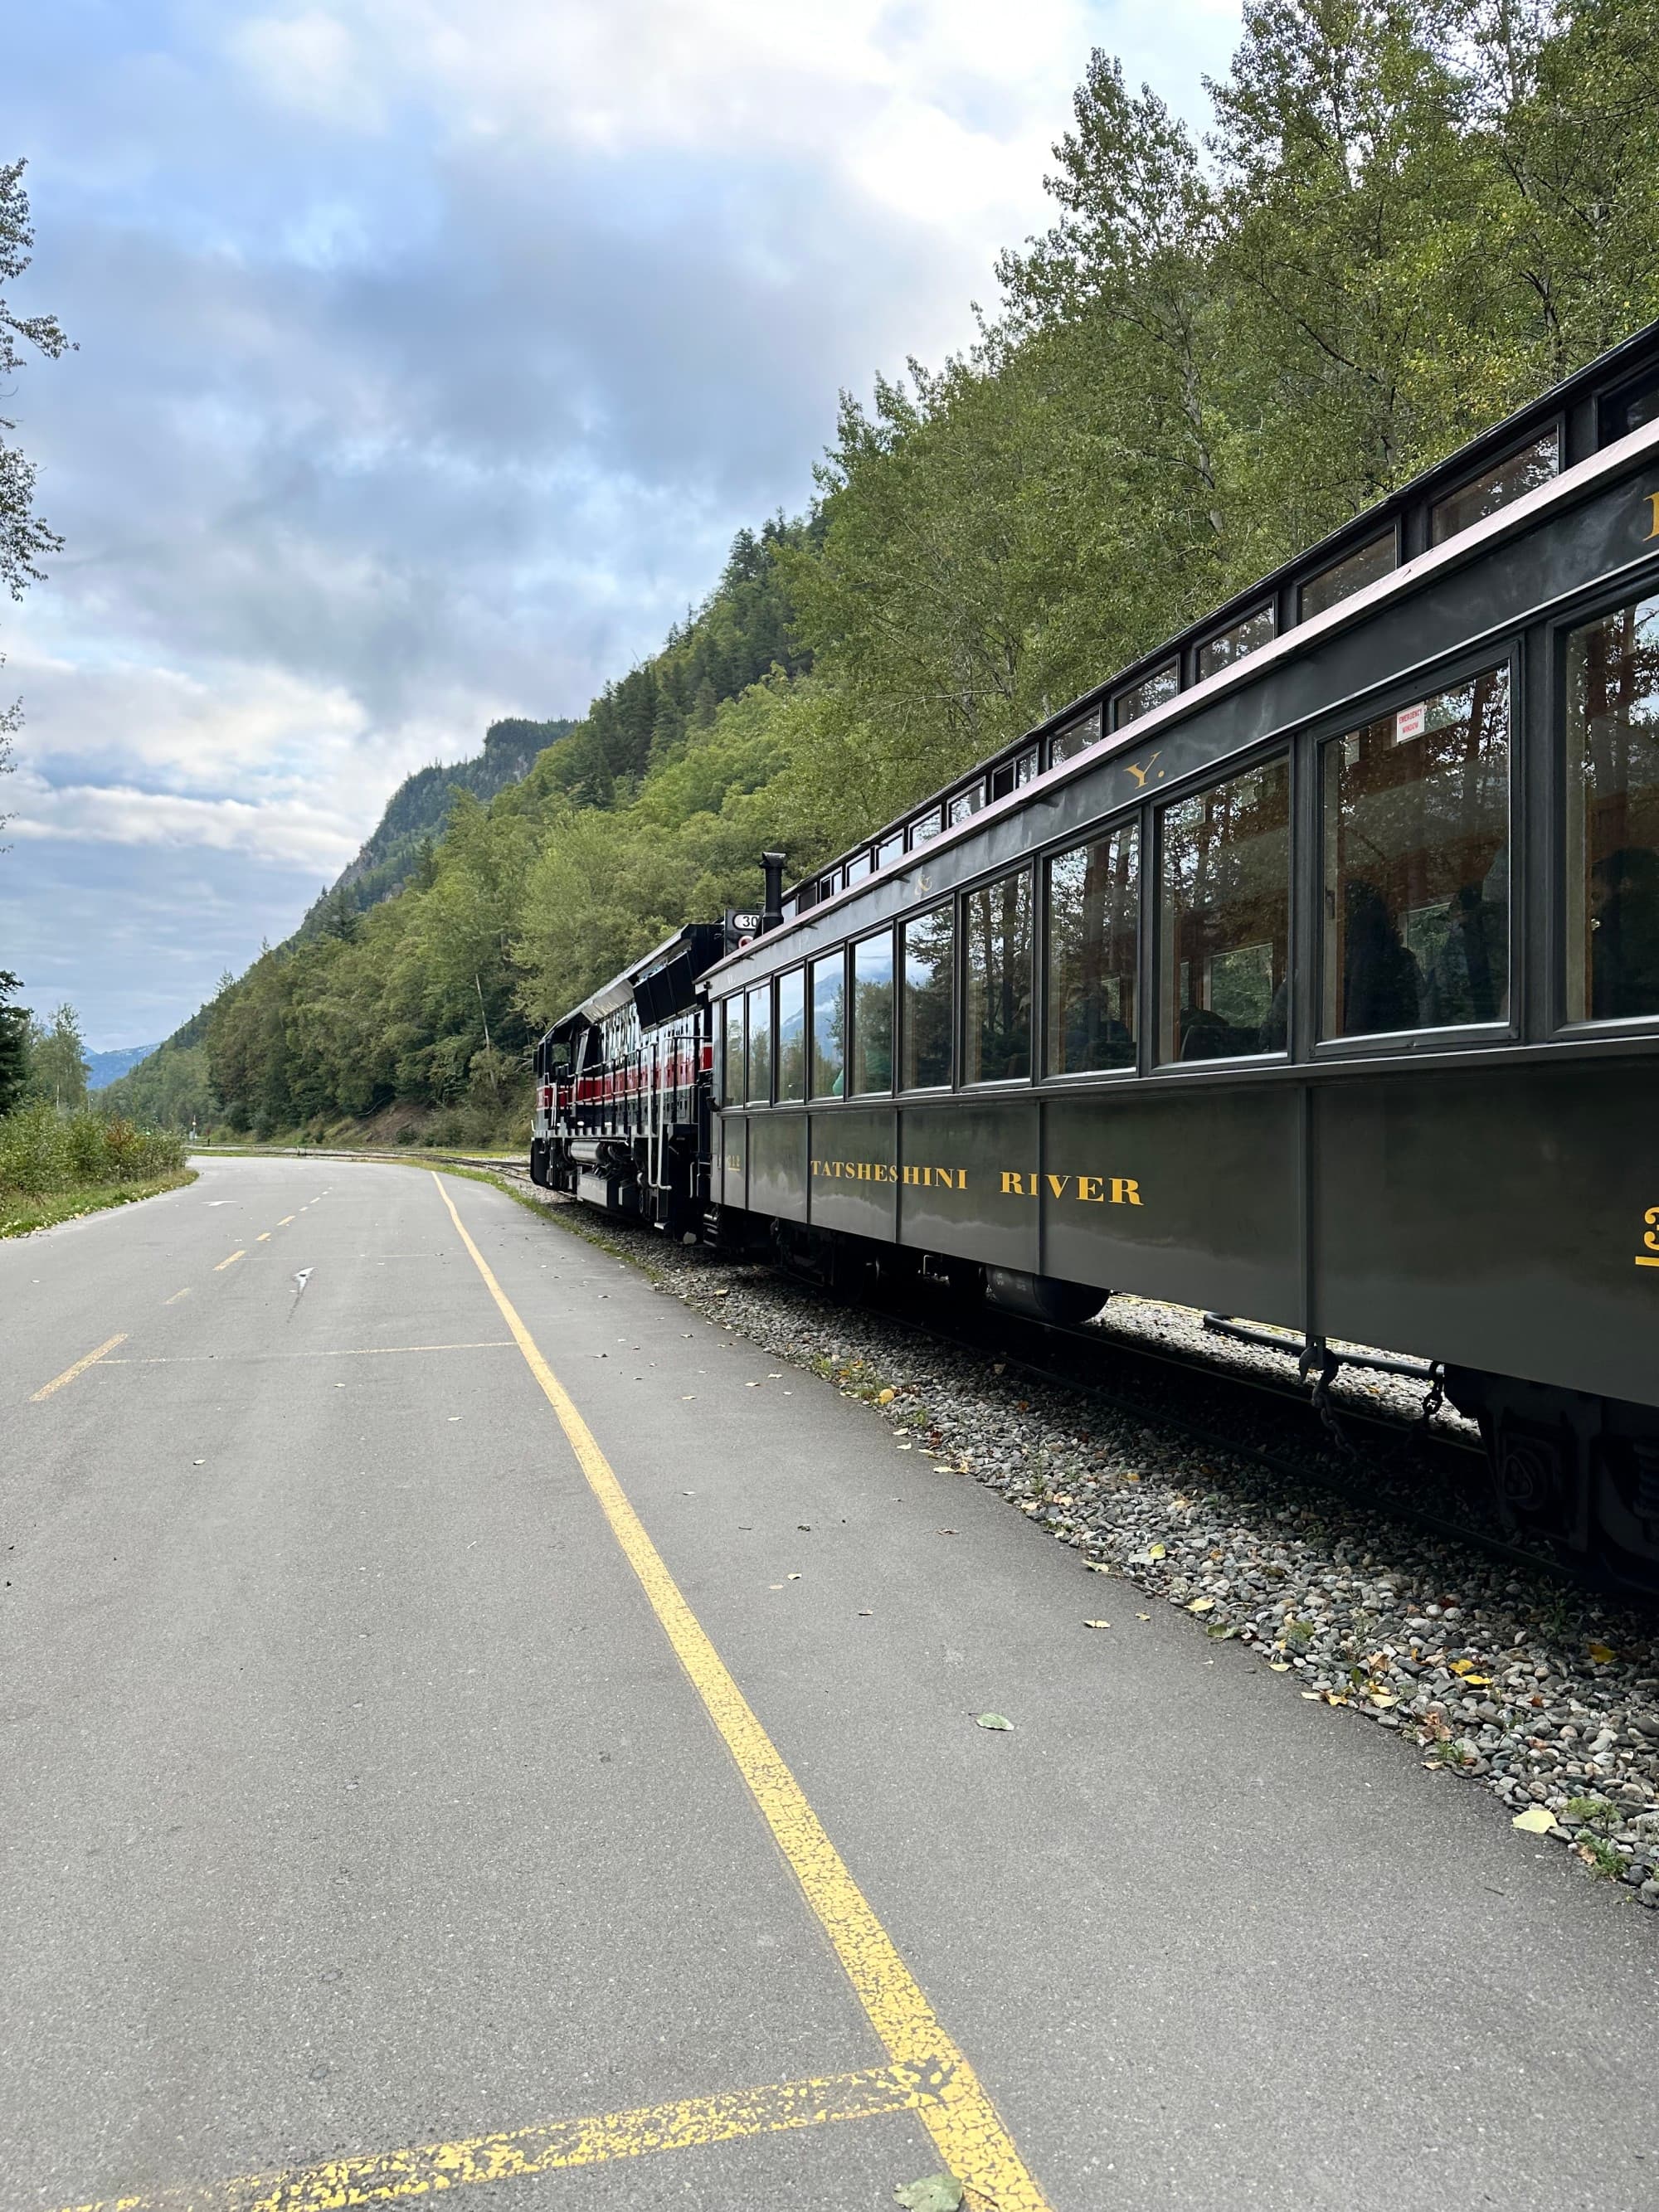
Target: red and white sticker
{"x": 1409, "y": 721}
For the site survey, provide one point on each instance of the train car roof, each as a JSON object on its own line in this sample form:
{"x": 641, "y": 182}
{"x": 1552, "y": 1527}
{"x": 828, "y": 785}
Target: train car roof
{"x": 1584, "y": 404}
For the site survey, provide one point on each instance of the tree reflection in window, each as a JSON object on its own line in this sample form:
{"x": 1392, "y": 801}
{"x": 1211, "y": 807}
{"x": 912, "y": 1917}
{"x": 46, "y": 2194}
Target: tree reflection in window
{"x": 1225, "y": 869}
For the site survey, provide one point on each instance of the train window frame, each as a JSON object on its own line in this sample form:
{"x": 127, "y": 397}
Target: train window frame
{"x": 795, "y": 972}
{"x": 1291, "y": 748}
{"x": 1170, "y": 666}
{"x": 1387, "y": 698}
{"x": 1029, "y": 868}
{"x": 890, "y": 847}
{"x": 901, "y": 1006}
{"x": 890, "y": 932}
{"x": 1267, "y": 607}
{"x": 815, "y": 1098}
{"x": 1079, "y": 736}
{"x": 740, "y": 1000}
{"x": 1306, "y": 584}
{"x": 764, "y": 989}
{"x": 1136, "y": 820}
{"x": 1555, "y": 430}
{"x": 1631, "y": 587}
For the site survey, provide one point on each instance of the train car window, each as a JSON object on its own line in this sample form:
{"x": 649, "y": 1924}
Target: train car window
{"x": 996, "y": 1040}
{"x": 926, "y": 826}
{"x": 927, "y": 1013}
{"x": 1094, "y": 943}
{"x": 760, "y": 1045}
{"x": 1344, "y": 577}
{"x": 732, "y": 1088}
{"x": 967, "y": 803}
{"x": 1249, "y": 635}
{"x": 1151, "y": 691}
{"x": 1629, "y": 410}
{"x": 1077, "y": 737}
{"x": 1014, "y": 773}
{"x": 1509, "y": 479}
{"x": 1613, "y": 815}
{"x": 859, "y": 867}
{"x": 1224, "y": 871}
{"x": 890, "y": 848}
{"x": 873, "y": 1014}
{"x": 1417, "y": 864}
{"x": 828, "y": 1025}
{"x": 792, "y": 1034}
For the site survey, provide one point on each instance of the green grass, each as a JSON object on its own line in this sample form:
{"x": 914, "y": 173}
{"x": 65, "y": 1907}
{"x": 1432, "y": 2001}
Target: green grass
{"x": 20, "y": 1213}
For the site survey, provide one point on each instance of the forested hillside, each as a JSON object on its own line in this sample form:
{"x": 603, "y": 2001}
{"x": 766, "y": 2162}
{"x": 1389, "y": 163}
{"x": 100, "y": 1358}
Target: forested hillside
{"x": 1406, "y": 220}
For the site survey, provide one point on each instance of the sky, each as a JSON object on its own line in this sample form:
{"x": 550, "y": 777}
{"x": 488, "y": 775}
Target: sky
{"x": 430, "y": 353}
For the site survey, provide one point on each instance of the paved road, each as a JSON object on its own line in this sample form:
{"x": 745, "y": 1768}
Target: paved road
{"x": 361, "y": 1789}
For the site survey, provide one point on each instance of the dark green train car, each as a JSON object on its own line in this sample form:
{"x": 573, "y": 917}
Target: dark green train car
{"x": 1308, "y": 971}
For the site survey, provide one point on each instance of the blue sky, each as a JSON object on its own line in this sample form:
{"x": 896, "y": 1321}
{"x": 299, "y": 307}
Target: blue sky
{"x": 430, "y": 354}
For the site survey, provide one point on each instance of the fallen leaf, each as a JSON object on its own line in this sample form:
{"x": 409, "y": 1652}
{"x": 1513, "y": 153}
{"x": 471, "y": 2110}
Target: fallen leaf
{"x": 993, "y": 1721}
{"x": 938, "y": 2193}
{"x": 794, "y": 1578}
{"x": 1537, "y": 1820}
{"x": 1143, "y": 1616}
{"x": 865, "y": 1613}
{"x": 1279, "y": 1666}
{"x": 1383, "y": 1697}
{"x": 1096, "y": 1623}
{"x": 1601, "y": 1655}
{"x": 1313, "y": 1694}
{"x": 1097, "y": 1566}
{"x": 1157, "y": 1552}
{"x": 1202, "y": 1605}
{"x": 885, "y": 1397}
{"x": 1462, "y": 1666}
{"x": 1477, "y": 1681}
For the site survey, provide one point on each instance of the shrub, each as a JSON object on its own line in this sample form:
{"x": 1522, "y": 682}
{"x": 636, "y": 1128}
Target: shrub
{"x": 43, "y": 1150}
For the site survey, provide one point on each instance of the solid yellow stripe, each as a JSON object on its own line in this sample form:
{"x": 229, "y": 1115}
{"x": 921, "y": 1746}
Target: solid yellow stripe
{"x": 79, "y": 1368}
{"x": 223, "y": 1264}
{"x": 266, "y": 1359}
{"x": 1647, "y": 1263}
{"x": 972, "y": 2141}
{"x": 383, "y": 2177}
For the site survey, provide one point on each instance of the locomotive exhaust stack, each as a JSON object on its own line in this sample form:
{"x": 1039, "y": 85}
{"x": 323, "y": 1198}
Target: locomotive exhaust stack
{"x": 772, "y": 911}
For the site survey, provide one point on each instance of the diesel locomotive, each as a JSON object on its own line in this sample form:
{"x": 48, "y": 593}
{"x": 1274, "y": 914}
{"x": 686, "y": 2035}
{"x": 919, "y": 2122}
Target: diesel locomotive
{"x": 1307, "y": 970}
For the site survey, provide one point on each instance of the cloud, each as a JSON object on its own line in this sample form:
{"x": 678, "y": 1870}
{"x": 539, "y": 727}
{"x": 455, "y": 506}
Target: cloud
{"x": 431, "y": 353}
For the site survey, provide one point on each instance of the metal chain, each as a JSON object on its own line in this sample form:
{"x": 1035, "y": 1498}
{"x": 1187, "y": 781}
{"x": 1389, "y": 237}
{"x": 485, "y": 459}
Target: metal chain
{"x": 1320, "y": 1354}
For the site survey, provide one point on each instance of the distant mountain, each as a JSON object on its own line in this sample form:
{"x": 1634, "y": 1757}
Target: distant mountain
{"x": 107, "y": 1067}
{"x": 416, "y": 812}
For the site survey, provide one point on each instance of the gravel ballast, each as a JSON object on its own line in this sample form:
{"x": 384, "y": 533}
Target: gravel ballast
{"x": 1546, "y": 1694}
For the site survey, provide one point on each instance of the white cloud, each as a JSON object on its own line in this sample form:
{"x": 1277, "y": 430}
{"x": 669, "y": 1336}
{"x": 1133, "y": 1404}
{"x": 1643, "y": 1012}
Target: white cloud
{"x": 287, "y": 832}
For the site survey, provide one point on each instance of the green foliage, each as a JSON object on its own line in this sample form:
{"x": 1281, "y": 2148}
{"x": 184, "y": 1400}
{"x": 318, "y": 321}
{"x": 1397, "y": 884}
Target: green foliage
{"x": 1410, "y": 216}
{"x": 57, "y": 1068}
{"x": 43, "y": 1151}
{"x": 13, "y": 1043}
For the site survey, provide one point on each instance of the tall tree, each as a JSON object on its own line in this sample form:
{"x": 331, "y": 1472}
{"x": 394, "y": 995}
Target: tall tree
{"x": 25, "y": 539}
{"x": 57, "y": 1063}
{"x": 13, "y": 1043}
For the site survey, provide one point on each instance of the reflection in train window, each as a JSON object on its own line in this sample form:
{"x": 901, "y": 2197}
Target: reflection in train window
{"x": 873, "y": 1014}
{"x": 1094, "y": 941}
{"x": 859, "y": 866}
{"x": 1612, "y": 816}
{"x": 731, "y": 1087}
{"x": 924, "y": 827}
{"x": 1075, "y": 737}
{"x": 1500, "y": 485}
{"x": 792, "y": 1034}
{"x": 966, "y": 803}
{"x": 890, "y": 848}
{"x": 996, "y": 1017}
{"x": 760, "y": 1045}
{"x": 828, "y": 1025}
{"x": 928, "y": 964}
{"x": 1249, "y": 635}
{"x": 1225, "y": 870}
{"x": 1416, "y": 932}
{"x": 1151, "y": 691}
{"x": 1344, "y": 577}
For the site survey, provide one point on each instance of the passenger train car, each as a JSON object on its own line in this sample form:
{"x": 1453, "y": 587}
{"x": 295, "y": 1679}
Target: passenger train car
{"x": 1309, "y": 970}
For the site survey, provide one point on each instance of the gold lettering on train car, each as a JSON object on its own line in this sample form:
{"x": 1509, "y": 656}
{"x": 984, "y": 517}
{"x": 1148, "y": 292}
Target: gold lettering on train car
{"x": 1141, "y": 774}
{"x": 1651, "y": 1257}
{"x": 1013, "y": 1184}
{"x": 1652, "y": 499}
{"x": 1091, "y": 1190}
{"x": 1125, "y": 1191}
{"x": 1057, "y": 1184}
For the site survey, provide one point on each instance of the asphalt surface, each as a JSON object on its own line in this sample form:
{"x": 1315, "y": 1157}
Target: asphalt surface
{"x": 352, "y": 1797}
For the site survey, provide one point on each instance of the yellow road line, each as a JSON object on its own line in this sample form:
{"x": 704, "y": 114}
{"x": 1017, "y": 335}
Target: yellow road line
{"x": 284, "y": 1223}
{"x": 231, "y": 1262}
{"x": 79, "y": 1368}
{"x": 174, "y": 1299}
{"x": 264, "y": 1237}
{"x": 426, "y": 2168}
{"x": 972, "y": 2141}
